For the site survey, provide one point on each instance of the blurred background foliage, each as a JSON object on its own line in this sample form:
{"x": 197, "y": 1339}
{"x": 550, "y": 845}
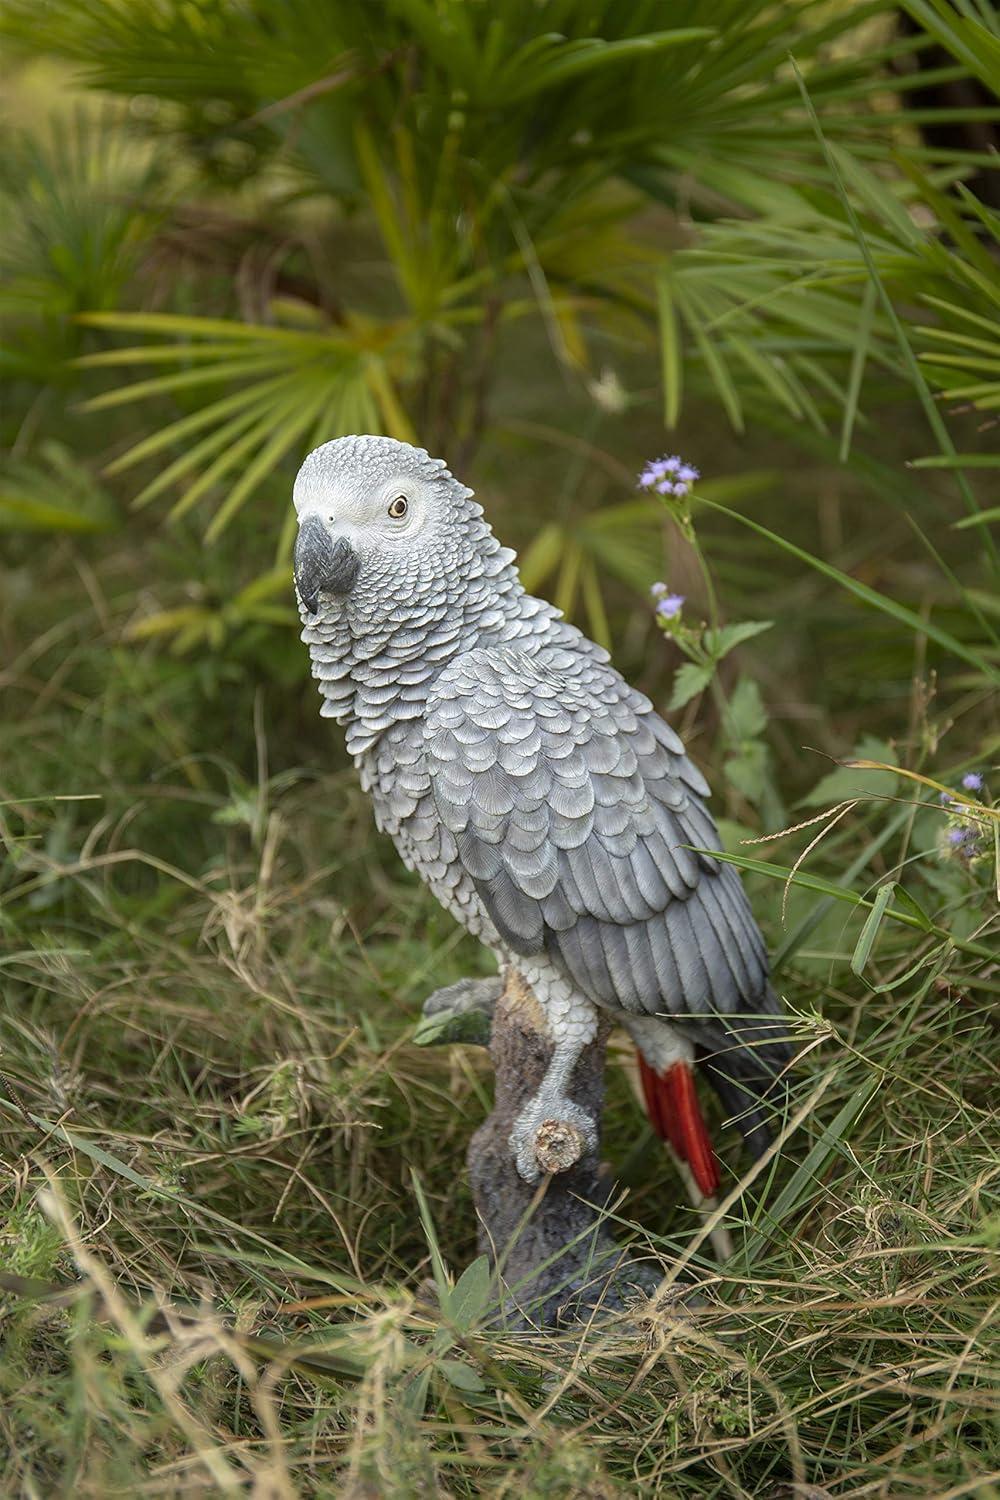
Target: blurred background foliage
{"x": 529, "y": 238}
{"x": 291, "y": 221}
{"x": 547, "y": 239}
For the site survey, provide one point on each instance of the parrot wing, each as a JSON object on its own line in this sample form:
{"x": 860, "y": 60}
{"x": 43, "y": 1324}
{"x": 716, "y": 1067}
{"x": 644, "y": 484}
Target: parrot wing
{"x": 577, "y": 815}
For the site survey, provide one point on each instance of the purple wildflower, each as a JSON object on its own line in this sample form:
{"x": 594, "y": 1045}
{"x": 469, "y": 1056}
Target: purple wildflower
{"x": 944, "y": 798}
{"x": 970, "y": 843}
{"x": 972, "y": 781}
{"x": 670, "y": 607}
{"x": 658, "y": 590}
{"x": 964, "y": 839}
{"x": 669, "y": 475}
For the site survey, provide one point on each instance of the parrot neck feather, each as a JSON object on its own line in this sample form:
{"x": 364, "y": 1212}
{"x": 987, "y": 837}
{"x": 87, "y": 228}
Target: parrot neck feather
{"x": 375, "y": 668}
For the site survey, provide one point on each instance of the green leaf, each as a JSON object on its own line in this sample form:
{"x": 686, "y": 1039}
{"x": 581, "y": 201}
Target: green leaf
{"x": 869, "y": 932}
{"x": 294, "y": 424}
{"x": 184, "y": 380}
{"x": 168, "y": 622}
{"x": 746, "y": 716}
{"x": 205, "y": 416}
{"x": 725, "y": 386}
{"x": 985, "y": 517}
{"x": 912, "y": 904}
{"x": 572, "y": 59}
{"x": 747, "y": 771}
{"x": 597, "y": 618}
{"x": 433, "y": 1244}
{"x": 542, "y": 556}
{"x": 26, "y": 512}
{"x": 461, "y": 1375}
{"x": 54, "y": 492}
{"x": 471, "y": 1294}
{"x": 690, "y": 680}
{"x": 719, "y": 643}
{"x": 177, "y": 325}
{"x": 858, "y": 360}
{"x": 959, "y": 461}
{"x": 977, "y": 48}
{"x": 672, "y": 363}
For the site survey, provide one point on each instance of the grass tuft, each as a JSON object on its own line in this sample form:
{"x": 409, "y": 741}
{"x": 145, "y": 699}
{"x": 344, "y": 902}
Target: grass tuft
{"x": 235, "y": 1231}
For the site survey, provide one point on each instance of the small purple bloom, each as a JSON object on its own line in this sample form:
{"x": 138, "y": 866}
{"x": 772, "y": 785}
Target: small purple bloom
{"x": 669, "y": 475}
{"x": 972, "y": 781}
{"x": 658, "y": 590}
{"x": 956, "y": 836}
{"x": 670, "y": 607}
{"x": 944, "y": 798}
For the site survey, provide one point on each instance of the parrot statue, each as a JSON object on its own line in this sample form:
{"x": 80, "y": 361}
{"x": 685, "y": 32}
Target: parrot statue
{"x": 542, "y": 799}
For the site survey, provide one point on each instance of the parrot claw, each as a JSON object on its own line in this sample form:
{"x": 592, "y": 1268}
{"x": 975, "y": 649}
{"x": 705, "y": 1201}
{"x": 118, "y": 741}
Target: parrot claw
{"x": 551, "y": 1134}
{"x": 460, "y": 1012}
{"x": 465, "y": 995}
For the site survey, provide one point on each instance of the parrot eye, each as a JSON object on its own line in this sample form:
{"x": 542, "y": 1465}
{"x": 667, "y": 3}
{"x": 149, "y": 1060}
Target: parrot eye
{"x": 399, "y": 507}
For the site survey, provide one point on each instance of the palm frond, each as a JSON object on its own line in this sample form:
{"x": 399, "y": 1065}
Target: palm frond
{"x": 762, "y": 328}
{"x": 287, "y": 384}
{"x": 78, "y": 204}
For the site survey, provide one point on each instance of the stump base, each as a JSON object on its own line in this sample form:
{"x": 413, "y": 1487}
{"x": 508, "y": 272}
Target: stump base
{"x": 556, "y": 1258}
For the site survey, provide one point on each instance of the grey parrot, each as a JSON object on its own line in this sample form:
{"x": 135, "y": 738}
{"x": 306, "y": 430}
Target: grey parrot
{"x": 541, "y": 798}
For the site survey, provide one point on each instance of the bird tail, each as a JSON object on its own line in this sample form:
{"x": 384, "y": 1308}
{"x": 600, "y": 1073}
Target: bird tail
{"x": 675, "y": 1114}
{"x": 745, "y": 1062}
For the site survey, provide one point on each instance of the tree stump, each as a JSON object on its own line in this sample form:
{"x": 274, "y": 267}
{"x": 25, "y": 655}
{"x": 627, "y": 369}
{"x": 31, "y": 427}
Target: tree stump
{"x": 555, "y": 1256}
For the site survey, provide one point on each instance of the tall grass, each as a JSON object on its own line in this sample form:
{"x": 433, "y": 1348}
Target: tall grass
{"x": 217, "y": 1271}
{"x": 237, "y": 1250}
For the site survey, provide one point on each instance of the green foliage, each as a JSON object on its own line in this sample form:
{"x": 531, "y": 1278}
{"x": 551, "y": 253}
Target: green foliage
{"x": 970, "y": 32}
{"x": 209, "y": 1091}
{"x": 75, "y": 216}
{"x": 237, "y": 1246}
{"x": 55, "y": 492}
{"x": 495, "y": 154}
{"x": 847, "y": 781}
{"x": 793, "y": 318}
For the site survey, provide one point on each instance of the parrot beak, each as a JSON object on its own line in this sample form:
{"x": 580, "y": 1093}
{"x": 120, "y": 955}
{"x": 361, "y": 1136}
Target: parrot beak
{"x": 321, "y": 564}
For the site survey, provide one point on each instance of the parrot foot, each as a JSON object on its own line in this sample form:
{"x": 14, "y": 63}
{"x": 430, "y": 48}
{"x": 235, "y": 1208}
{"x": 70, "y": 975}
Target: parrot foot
{"x": 460, "y": 1012}
{"x": 465, "y": 995}
{"x": 550, "y": 1134}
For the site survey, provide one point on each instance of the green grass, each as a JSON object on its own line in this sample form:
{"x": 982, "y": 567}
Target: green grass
{"x": 238, "y": 1252}
{"x": 215, "y": 1132}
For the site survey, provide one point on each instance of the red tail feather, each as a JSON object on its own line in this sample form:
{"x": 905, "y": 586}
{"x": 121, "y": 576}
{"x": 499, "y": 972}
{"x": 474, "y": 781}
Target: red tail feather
{"x": 673, "y": 1109}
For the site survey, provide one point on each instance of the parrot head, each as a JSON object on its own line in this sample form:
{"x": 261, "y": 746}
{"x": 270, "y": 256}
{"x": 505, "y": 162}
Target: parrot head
{"x": 384, "y": 530}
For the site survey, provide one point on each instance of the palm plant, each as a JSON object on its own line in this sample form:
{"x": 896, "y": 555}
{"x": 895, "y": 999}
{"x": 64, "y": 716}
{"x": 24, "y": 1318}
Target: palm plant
{"x": 513, "y": 166}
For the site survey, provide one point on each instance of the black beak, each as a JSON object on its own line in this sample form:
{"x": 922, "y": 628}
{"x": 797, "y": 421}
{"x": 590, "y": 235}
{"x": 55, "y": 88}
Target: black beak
{"x": 322, "y": 566}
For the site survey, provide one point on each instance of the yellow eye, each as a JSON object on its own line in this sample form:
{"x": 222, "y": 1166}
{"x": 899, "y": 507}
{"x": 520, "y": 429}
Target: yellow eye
{"x": 399, "y": 507}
